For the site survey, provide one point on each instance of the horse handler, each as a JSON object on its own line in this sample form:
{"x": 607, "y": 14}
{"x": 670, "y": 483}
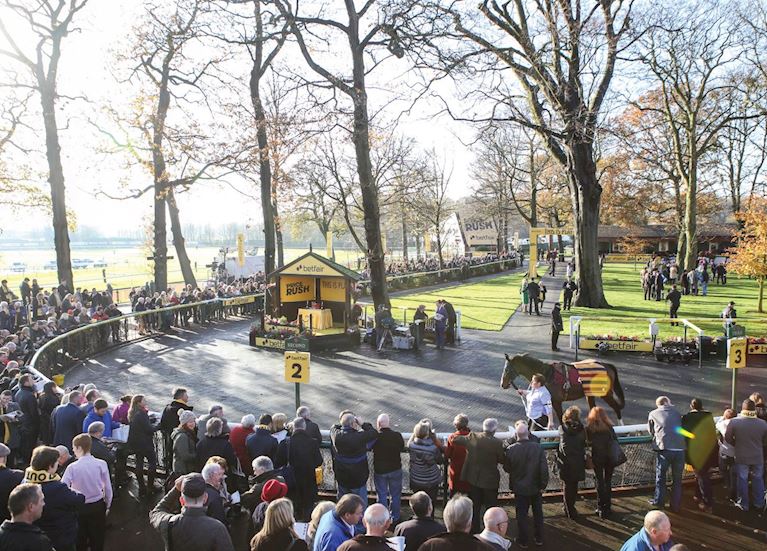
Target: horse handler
{"x": 556, "y": 327}
{"x": 538, "y": 404}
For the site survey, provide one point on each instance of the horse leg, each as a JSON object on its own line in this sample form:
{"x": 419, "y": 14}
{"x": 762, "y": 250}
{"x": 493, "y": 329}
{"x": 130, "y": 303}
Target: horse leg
{"x": 610, "y": 399}
{"x": 557, "y": 406}
{"x": 592, "y": 402}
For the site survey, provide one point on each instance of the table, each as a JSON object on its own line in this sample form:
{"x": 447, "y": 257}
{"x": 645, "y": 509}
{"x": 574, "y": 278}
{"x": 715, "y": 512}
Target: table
{"x": 320, "y": 318}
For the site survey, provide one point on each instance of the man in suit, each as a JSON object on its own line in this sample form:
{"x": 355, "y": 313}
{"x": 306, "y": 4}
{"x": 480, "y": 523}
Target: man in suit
{"x": 534, "y": 291}
{"x": 302, "y": 453}
{"x": 556, "y": 326}
{"x": 485, "y": 453}
{"x": 312, "y": 428}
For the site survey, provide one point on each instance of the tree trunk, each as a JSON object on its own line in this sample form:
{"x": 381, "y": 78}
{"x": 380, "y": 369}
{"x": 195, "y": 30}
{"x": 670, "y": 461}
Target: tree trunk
{"x": 160, "y": 186}
{"x": 690, "y": 216}
{"x": 404, "y": 231}
{"x": 361, "y": 139}
{"x": 178, "y": 239}
{"x": 278, "y": 234}
{"x": 265, "y": 168}
{"x": 680, "y": 250}
{"x": 585, "y": 194}
{"x": 56, "y": 181}
{"x": 417, "y": 247}
{"x": 760, "y": 303}
{"x": 439, "y": 249}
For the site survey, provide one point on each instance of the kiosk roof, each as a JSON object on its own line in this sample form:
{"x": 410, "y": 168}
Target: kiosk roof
{"x": 312, "y": 264}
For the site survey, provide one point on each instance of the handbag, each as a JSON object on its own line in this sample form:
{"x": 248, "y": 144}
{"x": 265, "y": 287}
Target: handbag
{"x": 615, "y": 454}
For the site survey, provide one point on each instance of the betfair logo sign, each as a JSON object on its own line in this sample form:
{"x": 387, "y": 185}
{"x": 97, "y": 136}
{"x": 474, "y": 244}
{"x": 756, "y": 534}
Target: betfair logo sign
{"x": 297, "y": 288}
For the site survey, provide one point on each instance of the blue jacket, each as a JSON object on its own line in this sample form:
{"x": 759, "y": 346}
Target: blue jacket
{"x": 641, "y": 542}
{"x": 331, "y": 532}
{"x": 67, "y": 423}
{"x": 109, "y": 425}
{"x": 261, "y": 442}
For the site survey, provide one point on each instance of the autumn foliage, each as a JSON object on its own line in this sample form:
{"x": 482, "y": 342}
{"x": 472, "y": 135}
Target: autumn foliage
{"x": 749, "y": 257}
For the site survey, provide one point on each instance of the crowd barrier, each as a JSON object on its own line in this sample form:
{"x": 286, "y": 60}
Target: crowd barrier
{"x": 63, "y": 351}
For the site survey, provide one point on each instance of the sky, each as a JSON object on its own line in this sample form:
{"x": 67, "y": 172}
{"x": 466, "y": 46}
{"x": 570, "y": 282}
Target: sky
{"x": 89, "y": 67}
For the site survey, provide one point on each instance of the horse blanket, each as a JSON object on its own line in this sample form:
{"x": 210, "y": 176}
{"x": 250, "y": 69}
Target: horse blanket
{"x": 594, "y": 378}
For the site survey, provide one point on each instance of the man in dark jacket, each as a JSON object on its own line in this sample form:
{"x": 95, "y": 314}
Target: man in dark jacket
{"x": 215, "y": 443}
{"x": 99, "y": 450}
{"x": 9, "y": 479}
{"x": 528, "y": 478}
{"x": 485, "y": 453}
{"x": 312, "y": 428}
{"x": 59, "y": 518}
{"x": 748, "y": 434}
{"x": 261, "y": 442}
{"x": 169, "y": 419}
{"x": 9, "y": 428}
{"x": 350, "y": 441}
{"x": 26, "y": 504}
{"x": 192, "y": 529}
{"x": 421, "y": 527}
{"x": 387, "y": 466}
{"x": 213, "y": 475}
{"x": 534, "y": 292}
{"x": 26, "y": 291}
{"x": 702, "y": 450}
{"x": 452, "y": 320}
{"x": 263, "y": 472}
{"x": 556, "y": 326}
{"x": 30, "y": 422}
{"x": 569, "y": 287}
{"x": 302, "y": 453}
{"x": 674, "y": 298}
{"x": 457, "y": 516}
{"x": 68, "y": 421}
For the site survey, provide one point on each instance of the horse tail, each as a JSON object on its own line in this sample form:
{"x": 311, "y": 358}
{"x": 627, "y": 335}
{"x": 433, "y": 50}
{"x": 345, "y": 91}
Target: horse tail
{"x": 617, "y": 388}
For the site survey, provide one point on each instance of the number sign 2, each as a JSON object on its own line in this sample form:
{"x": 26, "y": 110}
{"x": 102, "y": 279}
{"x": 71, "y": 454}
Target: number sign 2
{"x": 297, "y": 367}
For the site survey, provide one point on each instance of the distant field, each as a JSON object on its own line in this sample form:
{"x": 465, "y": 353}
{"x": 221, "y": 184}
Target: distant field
{"x": 125, "y": 267}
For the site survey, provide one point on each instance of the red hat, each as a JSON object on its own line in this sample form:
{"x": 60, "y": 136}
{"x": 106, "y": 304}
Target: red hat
{"x": 273, "y": 489}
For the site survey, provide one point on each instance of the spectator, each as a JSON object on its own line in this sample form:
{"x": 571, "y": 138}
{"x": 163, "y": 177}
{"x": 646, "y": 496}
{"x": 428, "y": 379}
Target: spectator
{"x": 263, "y": 472}
{"x": 302, "y": 453}
{"x": 65, "y": 458}
{"x": 215, "y": 443}
{"x": 312, "y": 429}
{"x": 457, "y": 515}
{"x": 528, "y": 477}
{"x": 90, "y": 477}
{"x": 141, "y": 442}
{"x": 496, "y": 525}
{"x": 387, "y": 466}
{"x": 761, "y": 407}
{"x": 100, "y": 412}
{"x": 701, "y": 451}
{"x": 29, "y": 429}
{"x": 571, "y": 457}
{"x": 456, "y": 455}
{"x": 278, "y": 426}
{"x": 277, "y": 533}
{"x": 350, "y": 440}
{"x": 425, "y": 458}
{"x": 261, "y": 442}
{"x": 47, "y": 402}
{"x": 748, "y": 434}
{"x": 9, "y": 428}
{"x": 216, "y": 410}
{"x": 237, "y": 437}
{"x": 68, "y": 421}
{"x": 655, "y": 535}
{"x": 213, "y": 475}
{"x": 191, "y": 529}
{"x": 120, "y": 413}
{"x": 600, "y": 433}
{"x": 727, "y": 455}
{"x": 26, "y": 503}
{"x": 485, "y": 453}
{"x": 376, "y": 520}
{"x": 99, "y": 450}
{"x": 184, "y": 442}
{"x": 319, "y": 510}
{"x": 421, "y": 527}
{"x": 170, "y": 416}
{"x": 663, "y": 424}
{"x": 337, "y": 525}
{"x": 59, "y": 518}
{"x": 9, "y": 479}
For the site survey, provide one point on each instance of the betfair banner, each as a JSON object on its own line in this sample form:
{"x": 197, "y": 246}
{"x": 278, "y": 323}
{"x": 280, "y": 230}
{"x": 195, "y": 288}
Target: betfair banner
{"x": 296, "y": 289}
{"x": 333, "y": 290}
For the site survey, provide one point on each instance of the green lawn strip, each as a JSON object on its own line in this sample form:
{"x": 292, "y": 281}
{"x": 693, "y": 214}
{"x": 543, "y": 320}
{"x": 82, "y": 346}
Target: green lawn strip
{"x": 623, "y": 290}
{"x": 484, "y": 305}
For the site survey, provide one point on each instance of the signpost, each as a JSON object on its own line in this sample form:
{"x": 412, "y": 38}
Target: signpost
{"x": 297, "y": 371}
{"x": 737, "y": 358}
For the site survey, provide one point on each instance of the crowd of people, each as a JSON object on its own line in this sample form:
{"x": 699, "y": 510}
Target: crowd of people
{"x": 663, "y": 271}
{"x": 431, "y": 263}
{"x": 269, "y": 468}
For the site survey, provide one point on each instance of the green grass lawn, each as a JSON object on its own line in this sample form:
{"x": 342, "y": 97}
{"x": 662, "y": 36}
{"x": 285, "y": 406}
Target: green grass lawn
{"x": 483, "y": 305}
{"x": 624, "y": 293}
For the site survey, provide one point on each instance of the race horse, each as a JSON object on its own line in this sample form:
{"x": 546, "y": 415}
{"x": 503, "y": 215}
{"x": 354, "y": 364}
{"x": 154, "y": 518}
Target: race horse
{"x": 565, "y": 382}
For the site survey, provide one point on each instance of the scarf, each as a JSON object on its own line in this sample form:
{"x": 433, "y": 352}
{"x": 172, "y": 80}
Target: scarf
{"x": 746, "y": 413}
{"x": 39, "y": 477}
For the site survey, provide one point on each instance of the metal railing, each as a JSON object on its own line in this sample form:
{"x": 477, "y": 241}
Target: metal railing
{"x": 60, "y": 353}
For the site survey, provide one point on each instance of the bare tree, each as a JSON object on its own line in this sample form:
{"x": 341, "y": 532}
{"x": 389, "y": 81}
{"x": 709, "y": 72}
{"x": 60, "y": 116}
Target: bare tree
{"x": 49, "y": 21}
{"x": 432, "y": 202}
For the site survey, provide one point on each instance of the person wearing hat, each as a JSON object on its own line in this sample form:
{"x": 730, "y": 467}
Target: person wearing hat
{"x": 556, "y": 326}
{"x": 273, "y": 489}
{"x": 9, "y": 479}
{"x": 192, "y": 529}
{"x": 184, "y": 442}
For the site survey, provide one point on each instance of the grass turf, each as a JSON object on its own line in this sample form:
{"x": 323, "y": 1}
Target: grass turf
{"x": 484, "y": 305}
{"x": 624, "y": 292}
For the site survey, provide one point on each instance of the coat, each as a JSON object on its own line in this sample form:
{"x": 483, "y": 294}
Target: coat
{"x": 59, "y": 520}
{"x": 215, "y": 504}
{"x": 169, "y": 419}
{"x": 484, "y": 454}
{"x": 261, "y": 442}
{"x": 184, "y": 451}
{"x": 571, "y": 454}
{"x": 600, "y": 445}
{"x": 13, "y": 438}
{"x": 279, "y": 541}
{"x": 313, "y": 430}
{"x": 703, "y": 450}
{"x": 418, "y": 530}
{"x": 387, "y": 451}
{"x": 9, "y": 479}
{"x": 141, "y": 434}
{"x": 252, "y": 497}
{"x": 454, "y": 541}
{"x": 192, "y": 530}
{"x": 208, "y": 446}
{"x": 528, "y": 471}
{"x": 20, "y": 536}
{"x": 331, "y": 532}
{"x": 662, "y": 423}
{"x": 425, "y": 459}
{"x": 305, "y": 457}
{"x": 67, "y": 423}
{"x": 350, "y": 460}
{"x": 237, "y": 438}
{"x": 47, "y": 403}
{"x": 30, "y": 423}
{"x": 456, "y": 454}
{"x": 641, "y": 542}
{"x": 749, "y": 437}
{"x": 93, "y": 417}
{"x": 556, "y": 319}
{"x": 363, "y": 542}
